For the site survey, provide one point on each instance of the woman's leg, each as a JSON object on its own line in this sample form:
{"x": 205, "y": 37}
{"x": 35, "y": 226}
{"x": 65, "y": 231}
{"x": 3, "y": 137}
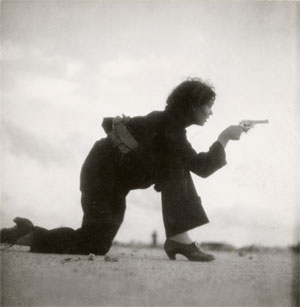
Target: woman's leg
{"x": 12, "y": 235}
{"x": 183, "y": 238}
{"x": 57, "y": 241}
{"x": 181, "y": 206}
{"x": 103, "y": 199}
{"x": 103, "y": 216}
{"x": 101, "y": 221}
{"x": 182, "y": 211}
{"x": 103, "y": 209}
{"x": 39, "y": 239}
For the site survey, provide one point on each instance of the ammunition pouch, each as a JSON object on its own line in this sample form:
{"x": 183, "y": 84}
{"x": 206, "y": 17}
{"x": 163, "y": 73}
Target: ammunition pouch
{"x": 119, "y": 134}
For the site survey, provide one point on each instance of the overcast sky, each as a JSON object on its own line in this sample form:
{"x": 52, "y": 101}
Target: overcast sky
{"x": 67, "y": 64}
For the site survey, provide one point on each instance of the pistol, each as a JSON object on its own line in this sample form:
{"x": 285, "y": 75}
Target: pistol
{"x": 248, "y": 124}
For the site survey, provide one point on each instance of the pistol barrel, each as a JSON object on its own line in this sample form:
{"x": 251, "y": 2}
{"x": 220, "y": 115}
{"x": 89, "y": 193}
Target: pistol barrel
{"x": 264, "y": 121}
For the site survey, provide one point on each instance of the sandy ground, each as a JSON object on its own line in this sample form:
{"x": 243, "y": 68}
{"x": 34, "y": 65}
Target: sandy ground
{"x": 145, "y": 277}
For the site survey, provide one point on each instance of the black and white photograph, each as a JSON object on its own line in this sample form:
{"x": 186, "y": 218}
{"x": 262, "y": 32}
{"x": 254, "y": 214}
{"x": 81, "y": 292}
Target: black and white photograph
{"x": 150, "y": 153}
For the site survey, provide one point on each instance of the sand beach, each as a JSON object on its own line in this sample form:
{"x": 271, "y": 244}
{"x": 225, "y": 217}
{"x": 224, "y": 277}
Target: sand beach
{"x": 146, "y": 277}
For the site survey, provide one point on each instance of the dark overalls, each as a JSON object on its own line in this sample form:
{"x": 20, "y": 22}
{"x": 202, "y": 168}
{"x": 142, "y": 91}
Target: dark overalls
{"x": 163, "y": 157}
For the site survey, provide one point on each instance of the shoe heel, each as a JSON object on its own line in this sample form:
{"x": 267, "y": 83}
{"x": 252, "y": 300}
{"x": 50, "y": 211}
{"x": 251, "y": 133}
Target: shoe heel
{"x": 171, "y": 256}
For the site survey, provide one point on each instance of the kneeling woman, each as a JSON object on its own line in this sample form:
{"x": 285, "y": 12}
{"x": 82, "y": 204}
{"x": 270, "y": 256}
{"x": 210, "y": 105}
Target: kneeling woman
{"x": 137, "y": 153}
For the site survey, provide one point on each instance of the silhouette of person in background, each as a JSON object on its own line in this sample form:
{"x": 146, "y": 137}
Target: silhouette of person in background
{"x": 137, "y": 153}
{"x": 154, "y": 238}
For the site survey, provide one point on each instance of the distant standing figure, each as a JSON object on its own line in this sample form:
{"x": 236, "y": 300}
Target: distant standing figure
{"x": 154, "y": 238}
{"x": 137, "y": 153}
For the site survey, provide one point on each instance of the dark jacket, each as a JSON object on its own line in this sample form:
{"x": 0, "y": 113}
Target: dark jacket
{"x": 163, "y": 148}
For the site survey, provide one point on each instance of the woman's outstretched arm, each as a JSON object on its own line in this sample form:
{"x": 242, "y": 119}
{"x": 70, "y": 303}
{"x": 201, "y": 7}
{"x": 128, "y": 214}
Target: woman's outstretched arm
{"x": 182, "y": 154}
{"x": 202, "y": 164}
{"x": 206, "y": 163}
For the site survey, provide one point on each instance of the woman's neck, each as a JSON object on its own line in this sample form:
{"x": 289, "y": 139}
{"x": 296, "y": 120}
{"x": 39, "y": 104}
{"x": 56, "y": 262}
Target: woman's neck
{"x": 178, "y": 117}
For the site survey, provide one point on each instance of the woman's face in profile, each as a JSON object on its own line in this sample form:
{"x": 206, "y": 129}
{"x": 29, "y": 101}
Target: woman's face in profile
{"x": 202, "y": 113}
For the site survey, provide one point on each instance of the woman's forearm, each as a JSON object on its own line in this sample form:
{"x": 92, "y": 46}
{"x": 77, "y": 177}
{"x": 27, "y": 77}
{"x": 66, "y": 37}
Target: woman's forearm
{"x": 223, "y": 140}
{"x": 206, "y": 163}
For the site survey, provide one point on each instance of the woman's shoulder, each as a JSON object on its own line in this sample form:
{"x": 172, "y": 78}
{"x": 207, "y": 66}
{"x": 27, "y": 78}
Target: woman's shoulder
{"x": 150, "y": 121}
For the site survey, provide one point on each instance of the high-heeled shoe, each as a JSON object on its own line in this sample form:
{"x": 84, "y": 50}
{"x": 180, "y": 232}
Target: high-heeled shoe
{"x": 12, "y": 235}
{"x": 191, "y": 251}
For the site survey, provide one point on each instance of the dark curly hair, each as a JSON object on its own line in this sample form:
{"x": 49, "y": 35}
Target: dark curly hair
{"x": 190, "y": 93}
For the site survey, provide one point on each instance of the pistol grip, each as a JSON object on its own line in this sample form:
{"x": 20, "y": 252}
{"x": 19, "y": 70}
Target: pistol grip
{"x": 245, "y": 127}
